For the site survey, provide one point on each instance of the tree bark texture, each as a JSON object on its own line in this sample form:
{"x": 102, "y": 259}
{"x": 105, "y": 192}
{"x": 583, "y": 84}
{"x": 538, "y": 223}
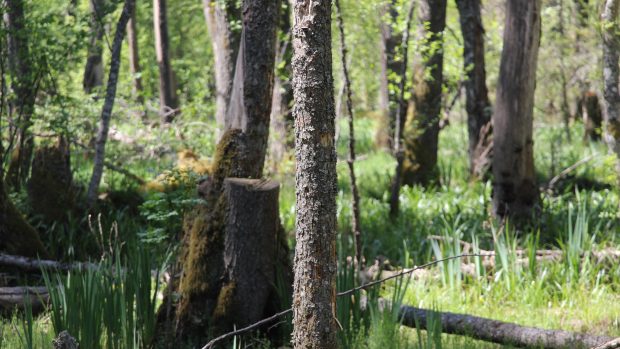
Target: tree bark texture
{"x": 515, "y": 192}
{"x": 108, "y": 104}
{"x": 422, "y": 131}
{"x": 250, "y": 105}
{"x": 93, "y": 71}
{"x": 390, "y": 68}
{"x": 611, "y": 55}
{"x": 225, "y": 39}
{"x": 134, "y": 57}
{"x": 477, "y": 104}
{"x": 500, "y": 332}
{"x": 167, "y": 93}
{"x": 23, "y": 84}
{"x": 17, "y": 236}
{"x": 314, "y": 295}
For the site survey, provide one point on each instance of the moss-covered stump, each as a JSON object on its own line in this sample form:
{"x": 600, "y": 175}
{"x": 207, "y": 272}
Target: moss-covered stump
{"x": 234, "y": 249}
{"x": 50, "y": 189}
{"x": 17, "y": 236}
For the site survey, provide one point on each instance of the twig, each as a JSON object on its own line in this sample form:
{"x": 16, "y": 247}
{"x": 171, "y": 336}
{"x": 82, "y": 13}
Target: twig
{"x": 344, "y": 293}
{"x": 568, "y": 170}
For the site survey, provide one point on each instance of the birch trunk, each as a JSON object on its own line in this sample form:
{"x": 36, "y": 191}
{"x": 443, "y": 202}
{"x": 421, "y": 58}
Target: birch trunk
{"x": 108, "y": 104}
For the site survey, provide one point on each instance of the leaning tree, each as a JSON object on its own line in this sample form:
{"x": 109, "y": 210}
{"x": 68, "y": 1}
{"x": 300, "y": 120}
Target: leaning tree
{"x": 515, "y": 193}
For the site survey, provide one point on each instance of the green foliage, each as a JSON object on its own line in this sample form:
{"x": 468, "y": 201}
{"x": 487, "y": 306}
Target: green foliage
{"x": 110, "y": 306}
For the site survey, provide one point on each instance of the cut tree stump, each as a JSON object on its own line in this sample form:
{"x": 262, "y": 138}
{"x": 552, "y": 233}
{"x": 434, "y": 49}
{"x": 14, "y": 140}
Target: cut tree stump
{"x": 250, "y": 246}
{"x": 501, "y": 332}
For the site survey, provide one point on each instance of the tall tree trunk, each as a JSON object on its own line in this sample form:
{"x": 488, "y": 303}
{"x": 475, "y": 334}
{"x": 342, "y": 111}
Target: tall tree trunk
{"x": 225, "y": 39}
{"x": 421, "y": 142}
{"x": 93, "y": 72}
{"x": 515, "y": 192}
{"x": 314, "y": 295}
{"x": 23, "y": 84}
{"x": 134, "y": 57}
{"x": 390, "y": 68}
{"x": 281, "y": 118}
{"x": 478, "y": 105}
{"x": 167, "y": 93}
{"x": 209, "y": 294}
{"x": 108, "y": 104}
{"x": 611, "y": 55}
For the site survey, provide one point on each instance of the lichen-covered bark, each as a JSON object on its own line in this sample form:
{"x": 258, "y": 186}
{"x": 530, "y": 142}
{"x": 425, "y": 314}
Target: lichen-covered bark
{"x": 478, "y": 105}
{"x": 220, "y": 16}
{"x": 422, "y": 131}
{"x": 515, "y": 192}
{"x": 314, "y": 295}
{"x": 167, "y": 93}
{"x": 611, "y": 55}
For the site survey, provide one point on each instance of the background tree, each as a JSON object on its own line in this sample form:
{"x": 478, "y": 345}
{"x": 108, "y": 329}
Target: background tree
{"x": 167, "y": 92}
{"x": 391, "y": 67}
{"x": 23, "y": 86}
{"x": 314, "y": 296}
{"x": 515, "y": 192}
{"x": 134, "y": 57}
{"x": 477, "y": 104}
{"x": 108, "y": 104}
{"x": 611, "y": 56}
{"x": 221, "y": 17}
{"x": 422, "y": 131}
{"x": 93, "y": 71}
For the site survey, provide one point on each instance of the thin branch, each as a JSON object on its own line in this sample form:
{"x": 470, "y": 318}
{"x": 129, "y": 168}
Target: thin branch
{"x": 344, "y": 293}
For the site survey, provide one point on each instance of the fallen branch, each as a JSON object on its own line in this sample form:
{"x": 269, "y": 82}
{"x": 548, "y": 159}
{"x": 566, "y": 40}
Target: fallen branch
{"x": 568, "y": 170}
{"x": 35, "y": 265}
{"x": 12, "y": 297}
{"x": 501, "y": 332}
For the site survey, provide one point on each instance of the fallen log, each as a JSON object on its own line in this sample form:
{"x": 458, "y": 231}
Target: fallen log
{"x": 17, "y": 297}
{"x": 501, "y": 332}
{"x": 35, "y": 265}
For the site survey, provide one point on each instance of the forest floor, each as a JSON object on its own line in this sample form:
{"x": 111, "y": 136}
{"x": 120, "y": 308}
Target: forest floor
{"x": 579, "y": 215}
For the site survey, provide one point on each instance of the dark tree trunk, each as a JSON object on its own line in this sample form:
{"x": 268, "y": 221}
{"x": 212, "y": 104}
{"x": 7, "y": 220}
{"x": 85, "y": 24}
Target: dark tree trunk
{"x": 422, "y": 132}
{"x": 314, "y": 295}
{"x": 134, "y": 57}
{"x": 93, "y": 72}
{"x": 17, "y": 236}
{"x": 167, "y": 93}
{"x": 214, "y": 291}
{"x": 390, "y": 68}
{"x": 515, "y": 192}
{"x": 589, "y": 108}
{"x": 478, "y": 105}
{"x": 108, "y": 104}
{"x": 281, "y": 118}
{"x": 611, "y": 55}
{"x": 225, "y": 39}
{"x": 23, "y": 84}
